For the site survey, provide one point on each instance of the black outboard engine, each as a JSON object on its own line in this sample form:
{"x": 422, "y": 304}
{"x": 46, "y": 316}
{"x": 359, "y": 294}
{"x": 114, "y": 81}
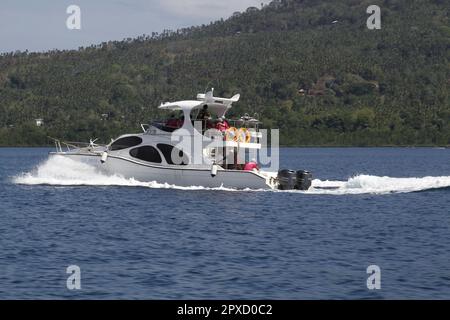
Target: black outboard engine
{"x": 290, "y": 180}
{"x": 287, "y": 179}
{"x": 303, "y": 180}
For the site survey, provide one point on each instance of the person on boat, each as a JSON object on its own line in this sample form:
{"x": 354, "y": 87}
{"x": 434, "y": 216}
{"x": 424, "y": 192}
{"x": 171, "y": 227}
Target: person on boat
{"x": 179, "y": 122}
{"x": 205, "y": 117}
{"x": 222, "y": 125}
{"x": 172, "y": 122}
{"x": 204, "y": 114}
{"x": 252, "y": 165}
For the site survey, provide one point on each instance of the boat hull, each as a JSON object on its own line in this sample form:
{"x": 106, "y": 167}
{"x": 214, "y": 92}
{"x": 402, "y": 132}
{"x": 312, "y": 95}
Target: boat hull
{"x": 174, "y": 175}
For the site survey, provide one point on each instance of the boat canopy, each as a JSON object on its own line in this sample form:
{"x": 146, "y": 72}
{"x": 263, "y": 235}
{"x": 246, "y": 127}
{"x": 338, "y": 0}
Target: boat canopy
{"x": 217, "y": 106}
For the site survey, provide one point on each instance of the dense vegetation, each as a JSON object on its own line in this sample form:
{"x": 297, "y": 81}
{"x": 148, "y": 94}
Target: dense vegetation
{"x": 308, "y": 67}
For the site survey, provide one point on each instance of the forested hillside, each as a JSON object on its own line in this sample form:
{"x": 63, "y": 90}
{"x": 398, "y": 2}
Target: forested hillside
{"x": 309, "y": 67}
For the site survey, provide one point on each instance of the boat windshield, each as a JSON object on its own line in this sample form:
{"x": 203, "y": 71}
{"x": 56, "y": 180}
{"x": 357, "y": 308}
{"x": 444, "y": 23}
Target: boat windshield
{"x": 173, "y": 122}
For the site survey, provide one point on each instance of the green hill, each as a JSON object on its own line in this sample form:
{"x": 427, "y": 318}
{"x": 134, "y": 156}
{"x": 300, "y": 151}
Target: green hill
{"x": 309, "y": 67}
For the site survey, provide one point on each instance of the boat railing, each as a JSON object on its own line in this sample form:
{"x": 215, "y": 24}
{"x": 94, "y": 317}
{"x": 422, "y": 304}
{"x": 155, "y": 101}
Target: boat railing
{"x": 145, "y": 127}
{"x": 164, "y": 125}
{"x": 246, "y": 124}
{"x": 249, "y": 124}
{"x": 67, "y": 146}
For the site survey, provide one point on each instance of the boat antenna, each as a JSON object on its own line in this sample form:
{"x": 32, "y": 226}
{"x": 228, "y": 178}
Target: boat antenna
{"x": 207, "y": 86}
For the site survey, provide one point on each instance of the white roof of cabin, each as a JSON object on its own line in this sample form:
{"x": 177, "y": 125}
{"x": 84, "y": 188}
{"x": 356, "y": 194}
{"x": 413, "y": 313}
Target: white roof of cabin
{"x": 180, "y": 105}
{"x": 217, "y": 106}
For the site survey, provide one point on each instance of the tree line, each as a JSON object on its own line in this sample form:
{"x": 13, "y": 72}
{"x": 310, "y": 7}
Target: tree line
{"x": 310, "y": 68}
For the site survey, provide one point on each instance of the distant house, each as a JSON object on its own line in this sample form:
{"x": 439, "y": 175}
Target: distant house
{"x": 105, "y": 116}
{"x": 252, "y": 9}
{"x": 39, "y": 122}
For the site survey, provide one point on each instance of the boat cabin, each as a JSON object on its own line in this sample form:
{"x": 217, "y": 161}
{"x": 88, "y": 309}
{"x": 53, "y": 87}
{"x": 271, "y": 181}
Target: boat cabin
{"x": 205, "y": 113}
{"x": 222, "y": 141}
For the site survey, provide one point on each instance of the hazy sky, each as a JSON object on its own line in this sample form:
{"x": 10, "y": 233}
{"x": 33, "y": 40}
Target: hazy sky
{"x": 39, "y": 25}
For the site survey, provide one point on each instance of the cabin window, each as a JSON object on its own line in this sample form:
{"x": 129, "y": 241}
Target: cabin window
{"x": 146, "y": 153}
{"x": 173, "y": 155}
{"x": 125, "y": 143}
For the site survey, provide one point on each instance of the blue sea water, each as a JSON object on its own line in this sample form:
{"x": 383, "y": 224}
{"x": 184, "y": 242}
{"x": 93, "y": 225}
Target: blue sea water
{"x": 144, "y": 241}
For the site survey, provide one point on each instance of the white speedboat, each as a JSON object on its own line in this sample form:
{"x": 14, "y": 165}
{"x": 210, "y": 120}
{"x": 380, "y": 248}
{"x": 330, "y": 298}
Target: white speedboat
{"x": 188, "y": 151}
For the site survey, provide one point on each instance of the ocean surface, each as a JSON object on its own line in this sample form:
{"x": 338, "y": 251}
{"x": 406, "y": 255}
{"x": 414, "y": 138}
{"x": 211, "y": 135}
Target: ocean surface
{"x": 135, "y": 240}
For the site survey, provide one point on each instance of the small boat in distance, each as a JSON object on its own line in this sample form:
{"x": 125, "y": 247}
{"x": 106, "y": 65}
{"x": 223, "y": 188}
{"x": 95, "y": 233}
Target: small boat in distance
{"x": 196, "y": 146}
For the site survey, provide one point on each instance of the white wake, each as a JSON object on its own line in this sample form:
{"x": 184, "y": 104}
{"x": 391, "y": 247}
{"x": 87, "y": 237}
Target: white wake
{"x": 362, "y": 184}
{"x": 62, "y": 171}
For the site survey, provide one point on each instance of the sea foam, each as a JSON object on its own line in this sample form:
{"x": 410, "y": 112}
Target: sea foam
{"x": 62, "y": 171}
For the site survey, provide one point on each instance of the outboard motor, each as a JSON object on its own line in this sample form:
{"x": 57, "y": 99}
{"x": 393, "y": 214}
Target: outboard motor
{"x": 303, "y": 180}
{"x": 287, "y": 179}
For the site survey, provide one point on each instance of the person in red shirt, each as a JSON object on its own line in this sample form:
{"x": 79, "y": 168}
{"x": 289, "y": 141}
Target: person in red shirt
{"x": 180, "y": 122}
{"x": 172, "y": 122}
{"x": 222, "y": 125}
{"x": 252, "y": 165}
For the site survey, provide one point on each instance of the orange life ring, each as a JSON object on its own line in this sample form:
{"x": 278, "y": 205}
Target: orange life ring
{"x": 232, "y": 134}
{"x": 244, "y": 135}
